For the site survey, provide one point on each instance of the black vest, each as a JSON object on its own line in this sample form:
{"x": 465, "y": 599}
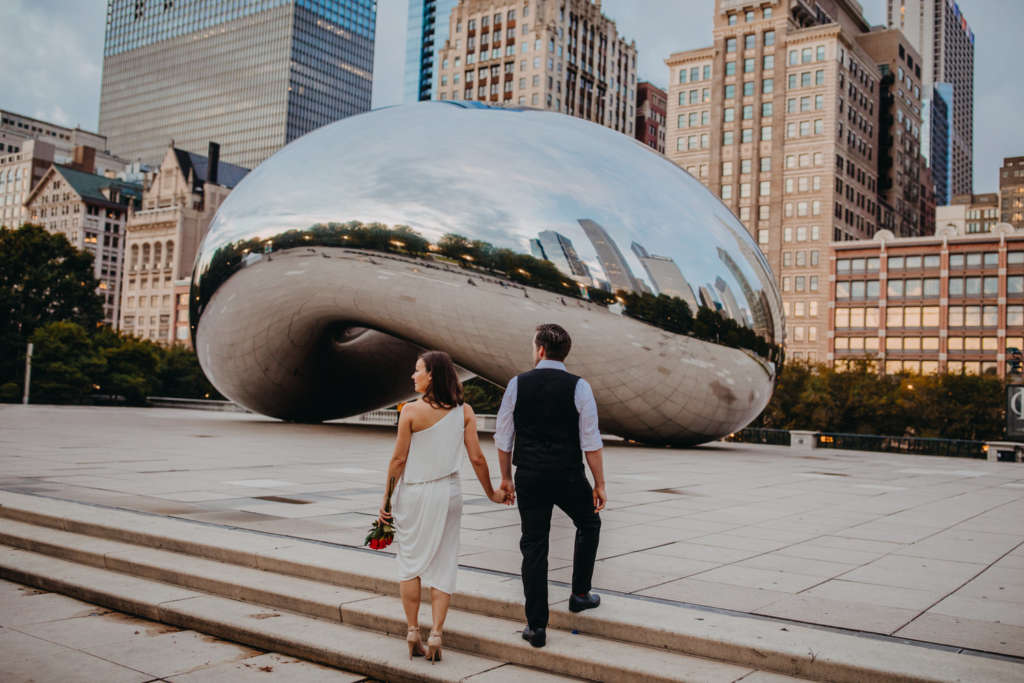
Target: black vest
{"x": 547, "y": 424}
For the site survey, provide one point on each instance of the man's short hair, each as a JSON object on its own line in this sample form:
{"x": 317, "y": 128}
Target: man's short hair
{"x": 554, "y": 339}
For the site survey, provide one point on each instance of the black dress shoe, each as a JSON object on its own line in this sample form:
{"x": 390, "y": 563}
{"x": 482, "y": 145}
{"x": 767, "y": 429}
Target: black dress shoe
{"x": 588, "y": 601}
{"x": 535, "y": 636}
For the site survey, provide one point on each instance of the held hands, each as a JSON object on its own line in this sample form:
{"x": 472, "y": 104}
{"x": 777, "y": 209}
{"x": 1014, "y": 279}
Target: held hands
{"x": 600, "y": 498}
{"x": 505, "y": 493}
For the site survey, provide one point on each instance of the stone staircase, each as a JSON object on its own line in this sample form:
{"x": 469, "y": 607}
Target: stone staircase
{"x": 338, "y": 606}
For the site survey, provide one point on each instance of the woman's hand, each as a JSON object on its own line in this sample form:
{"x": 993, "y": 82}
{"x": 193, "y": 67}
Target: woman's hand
{"x": 498, "y": 496}
{"x": 383, "y": 515}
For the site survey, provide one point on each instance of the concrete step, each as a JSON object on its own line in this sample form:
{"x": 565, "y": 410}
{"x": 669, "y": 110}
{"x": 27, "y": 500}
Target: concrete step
{"x": 757, "y": 643}
{"x": 326, "y": 642}
{"x": 585, "y": 656}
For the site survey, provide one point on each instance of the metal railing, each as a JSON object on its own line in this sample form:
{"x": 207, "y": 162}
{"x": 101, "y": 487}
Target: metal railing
{"x": 775, "y": 437}
{"x": 911, "y": 445}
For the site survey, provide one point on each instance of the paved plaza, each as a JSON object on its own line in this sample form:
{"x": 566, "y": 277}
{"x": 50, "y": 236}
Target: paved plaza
{"x": 50, "y": 637}
{"x": 917, "y": 547}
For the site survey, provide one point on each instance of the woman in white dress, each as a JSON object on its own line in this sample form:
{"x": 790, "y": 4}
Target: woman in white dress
{"x": 433, "y": 433}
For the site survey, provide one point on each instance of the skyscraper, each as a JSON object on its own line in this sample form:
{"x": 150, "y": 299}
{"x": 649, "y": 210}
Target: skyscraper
{"x": 939, "y": 31}
{"x": 253, "y": 76}
{"x": 613, "y": 263}
{"x": 779, "y": 118}
{"x": 566, "y": 57}
{"x": 427, "y": 32}
{"x": 666, "y": 277}
{"x": 558, "y": 249}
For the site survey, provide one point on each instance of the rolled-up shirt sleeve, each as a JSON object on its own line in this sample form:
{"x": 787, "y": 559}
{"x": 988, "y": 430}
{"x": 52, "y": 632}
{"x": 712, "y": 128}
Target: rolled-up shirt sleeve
{"x": 504, "y": 433}
{"x": 586, "y": 405}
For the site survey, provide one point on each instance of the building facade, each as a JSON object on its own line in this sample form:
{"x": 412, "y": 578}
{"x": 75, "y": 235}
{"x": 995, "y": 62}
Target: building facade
{"x": 561, "y": 56}
{"x": 426, "y": 32}
{"x": 650, "y": 115}
{"x": 16, "y": 130}
{"x": 899, "y": 122}
{"x": 969, "y": 214}
{"x": 20, "y": 171}
{"x": 780, "y": 118}
{"x": 179, "y": 201}
{"x": 951, "y": 302}
{"x": 91, "y": 211}
{"x": 939, "y": 32}
{"x": 253, "y": 75}
{"x": 1011, "y": 191}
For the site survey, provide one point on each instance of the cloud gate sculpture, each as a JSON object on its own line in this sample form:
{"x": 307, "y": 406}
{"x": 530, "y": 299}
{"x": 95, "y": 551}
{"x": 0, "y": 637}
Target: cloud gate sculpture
{"x": 461, "y": 227}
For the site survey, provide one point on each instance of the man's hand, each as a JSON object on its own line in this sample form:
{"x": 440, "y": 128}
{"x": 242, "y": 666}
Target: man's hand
{"x": 509, "y": 489}
{"x": 600, "y": 498}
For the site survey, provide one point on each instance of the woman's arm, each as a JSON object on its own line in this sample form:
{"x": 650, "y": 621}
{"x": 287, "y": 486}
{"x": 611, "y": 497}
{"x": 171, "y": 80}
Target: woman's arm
{"x": 397, "y": 465}
{"x": 476, "y": 456}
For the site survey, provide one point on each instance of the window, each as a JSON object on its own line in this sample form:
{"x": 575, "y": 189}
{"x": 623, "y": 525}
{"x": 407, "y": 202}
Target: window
{"x": 769, "y": 37}
{"x": 747, "y": 135}
{"x": 766, "y": 109}
{"x": 729, "y": 114}
{"x": 730, "y": 45}
{"x": 768, "y": 86}
{"x": 682, "y": 75}
{"x": 748, "y": 16}
{"x": 805, "y": 56}
{"x": 805, "y": 79}
{"x": 766, "y": 134}
{"x": 990, "y": 286}
{"x": 726, "y": 191}
{"x": 821, "y": 53}
{"x": 744, "y": 189}
{"x": 744, "y": 166}
{"x": 819, "y": 101}
{"x": 763, "y": 212}
{"x": 726, "y": 168}
{"x": 748, "y": 112}
{"x": 1014, "y": 316}
{"x": 765, "y": 188}
{"x": 766, "y": 163}
{"x": 748, "y": 88}
{"x": 727, "y": 137}
{"x": 730, "y": 92}
{"x": 769, "y": 62}
{"x": 694, "y": 74}
{"x": 819, "y": 77}
{"x": 749, "y": 41}
{"x": 794, "y": 57}
{"x": 732, "y": 19}
{"x": 819, "y": 126}
{"x": 1015, "y": 284}
{"x": 730, "y": 68}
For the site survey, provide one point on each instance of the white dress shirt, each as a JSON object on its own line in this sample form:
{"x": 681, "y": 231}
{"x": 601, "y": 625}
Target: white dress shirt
{"x": 586, "y": 406}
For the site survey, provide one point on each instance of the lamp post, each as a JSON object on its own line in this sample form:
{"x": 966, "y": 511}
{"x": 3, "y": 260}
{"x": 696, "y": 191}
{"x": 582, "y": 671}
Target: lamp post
{"x": 28, "y": 373}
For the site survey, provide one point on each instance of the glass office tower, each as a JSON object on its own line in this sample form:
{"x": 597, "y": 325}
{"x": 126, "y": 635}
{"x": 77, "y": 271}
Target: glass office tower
{"x": 426, "y": 33}
{"x": 251, "y": 75}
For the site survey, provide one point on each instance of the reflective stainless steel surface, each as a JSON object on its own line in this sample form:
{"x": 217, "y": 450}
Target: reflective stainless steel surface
{"x": 334, "y": 262}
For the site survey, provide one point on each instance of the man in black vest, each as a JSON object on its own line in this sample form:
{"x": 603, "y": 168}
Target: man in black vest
{"x": 548, "y": 418}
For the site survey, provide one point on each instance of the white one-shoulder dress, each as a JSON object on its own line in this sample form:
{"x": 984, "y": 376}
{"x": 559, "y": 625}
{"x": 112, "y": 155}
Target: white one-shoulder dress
{"x": 428, "y": 504}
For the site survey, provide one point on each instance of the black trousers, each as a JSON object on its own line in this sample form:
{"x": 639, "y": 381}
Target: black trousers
{"x": 537, "y": 493}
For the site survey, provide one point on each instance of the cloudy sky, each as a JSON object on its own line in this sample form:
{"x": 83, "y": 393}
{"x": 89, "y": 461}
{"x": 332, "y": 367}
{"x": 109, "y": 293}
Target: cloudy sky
{"x": 54, "y": 55}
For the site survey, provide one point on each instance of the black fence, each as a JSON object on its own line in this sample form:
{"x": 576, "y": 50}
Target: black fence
{"x": 912, "y": 445}
{"x": 774, "y": 437}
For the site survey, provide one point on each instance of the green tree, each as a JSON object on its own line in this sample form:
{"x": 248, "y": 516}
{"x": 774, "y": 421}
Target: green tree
{"x": 42, "y": 279}
{"x": 65, "y": 364}
{"x": 483, "y": 396}
{"x": 131, "y": 366}
{"x": 180, "y": 376}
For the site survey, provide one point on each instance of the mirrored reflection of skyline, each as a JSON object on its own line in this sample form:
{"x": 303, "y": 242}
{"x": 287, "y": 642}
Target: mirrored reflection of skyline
{"x": 524, "y": 191}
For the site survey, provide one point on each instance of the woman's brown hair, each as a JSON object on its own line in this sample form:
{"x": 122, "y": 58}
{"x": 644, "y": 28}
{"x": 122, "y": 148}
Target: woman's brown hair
{"x": 445, "y": 390}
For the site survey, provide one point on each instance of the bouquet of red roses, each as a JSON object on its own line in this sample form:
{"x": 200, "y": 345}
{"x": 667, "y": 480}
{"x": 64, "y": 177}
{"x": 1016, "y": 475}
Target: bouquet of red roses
{"x": 382, "y": 534}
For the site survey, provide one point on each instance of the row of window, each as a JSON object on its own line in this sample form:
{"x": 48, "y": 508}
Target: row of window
{"x": 764, "y": 190}
{"x": 924, "y": 344}
{"x": 800, "y": 283}
{"x": 750, "y": 41}
{"x": 748, "y": 16}
{"x": 693, "y": 74}
{"x": 750, "y": 64}
{"x": 976, "y": 259}
{"x": 928, "y": 316}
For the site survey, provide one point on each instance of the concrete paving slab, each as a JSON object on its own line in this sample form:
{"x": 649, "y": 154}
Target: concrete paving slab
{"x": 842, "y": 590}
{"x": 980, "y": 635}
{"x": 172, "y": 653}
{"x": 29, "y": 659}
{"x": 267, "y": 667}
{"x": 107, "y": 627}
{"x": 698, "y": 591}
{"x": 843, "y": 614}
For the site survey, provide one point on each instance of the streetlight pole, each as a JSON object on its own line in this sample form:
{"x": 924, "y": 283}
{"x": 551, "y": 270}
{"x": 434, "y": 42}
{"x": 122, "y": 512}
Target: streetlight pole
{"x": 28, "y": 374}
